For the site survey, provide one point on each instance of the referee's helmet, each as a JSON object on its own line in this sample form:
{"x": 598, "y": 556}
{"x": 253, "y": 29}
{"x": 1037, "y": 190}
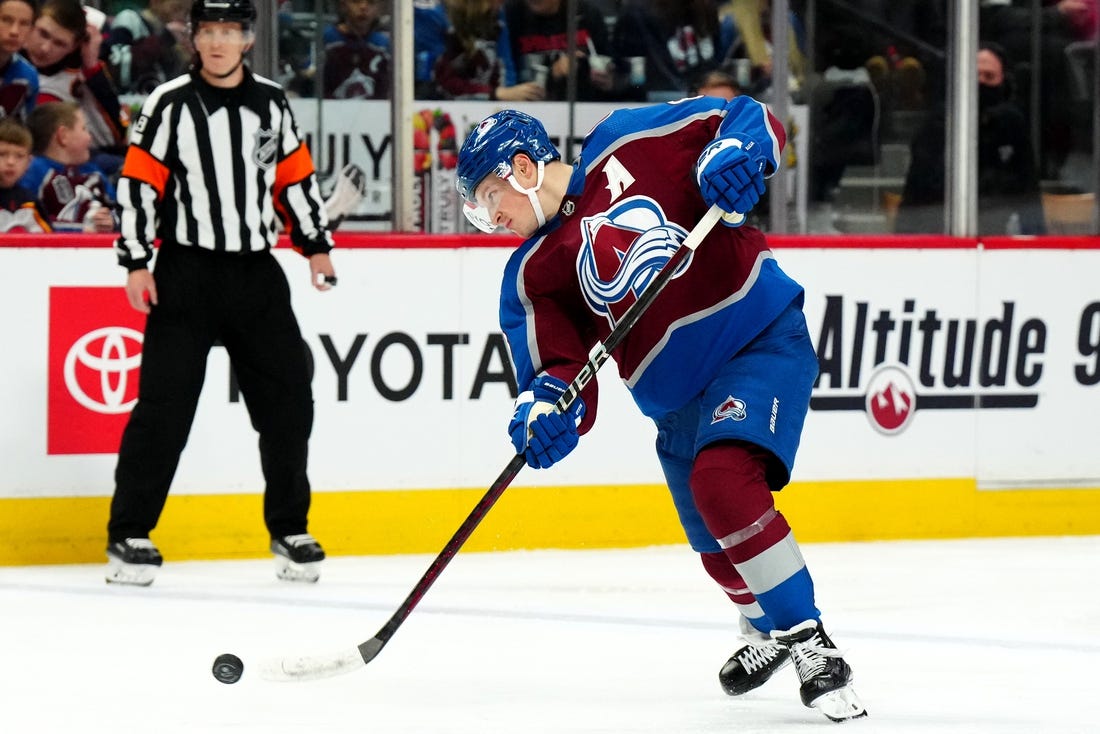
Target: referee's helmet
{"x": 223, "y": 11}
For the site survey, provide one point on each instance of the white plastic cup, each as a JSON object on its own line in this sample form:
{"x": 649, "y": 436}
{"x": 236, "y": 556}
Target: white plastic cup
{"x": 599, "y": 64}
{"x": 541, "y": 74}
{"x": 743, "y": 72}
{"x": 89, "y": 216}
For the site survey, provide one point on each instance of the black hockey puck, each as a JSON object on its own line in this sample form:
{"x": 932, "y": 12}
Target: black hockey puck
{"x": 228, "y": 668}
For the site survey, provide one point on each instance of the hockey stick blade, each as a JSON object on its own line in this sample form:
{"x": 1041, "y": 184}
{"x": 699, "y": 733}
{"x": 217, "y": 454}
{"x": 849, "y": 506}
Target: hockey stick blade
{"x": 325, "y": 666}
{"x": 311, "y": 667}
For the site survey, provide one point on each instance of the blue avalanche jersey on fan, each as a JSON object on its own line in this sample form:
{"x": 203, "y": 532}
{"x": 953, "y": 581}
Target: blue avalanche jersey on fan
{"x": 18, "y": 88}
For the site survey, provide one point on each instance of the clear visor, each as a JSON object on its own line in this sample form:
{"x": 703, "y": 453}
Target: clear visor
{"x": 478, "y": 216}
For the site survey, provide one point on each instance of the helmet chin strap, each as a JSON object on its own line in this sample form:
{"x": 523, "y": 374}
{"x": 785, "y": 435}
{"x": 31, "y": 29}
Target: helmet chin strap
{"x": 532, "y": 193}
{"x": 230, "y": 72}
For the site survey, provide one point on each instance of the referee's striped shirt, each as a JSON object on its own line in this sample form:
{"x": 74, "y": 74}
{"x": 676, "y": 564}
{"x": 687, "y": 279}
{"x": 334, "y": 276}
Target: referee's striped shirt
{"x": 218, "y": 168}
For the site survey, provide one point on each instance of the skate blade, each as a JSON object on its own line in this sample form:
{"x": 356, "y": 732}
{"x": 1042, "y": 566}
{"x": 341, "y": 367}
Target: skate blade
{"x": 130, "y": 574}
{"x": 288, "y": 570}
{"x": 840, "y": 705}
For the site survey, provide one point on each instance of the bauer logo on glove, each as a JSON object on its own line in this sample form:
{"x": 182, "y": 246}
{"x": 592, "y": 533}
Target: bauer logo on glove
{"x": 538, "y": 431}
{"x": 730, "y": 173}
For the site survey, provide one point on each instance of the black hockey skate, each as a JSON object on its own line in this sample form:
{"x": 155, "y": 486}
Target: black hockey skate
{"x": 133, "y": 561}
{"x": 297, "y": 557}
{"x": 826, "y": 678}
{"x": 752, "y": 665}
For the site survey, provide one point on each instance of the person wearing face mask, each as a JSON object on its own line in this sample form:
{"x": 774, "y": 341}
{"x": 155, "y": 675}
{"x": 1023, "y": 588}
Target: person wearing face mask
{"x": 1008, "y": 181}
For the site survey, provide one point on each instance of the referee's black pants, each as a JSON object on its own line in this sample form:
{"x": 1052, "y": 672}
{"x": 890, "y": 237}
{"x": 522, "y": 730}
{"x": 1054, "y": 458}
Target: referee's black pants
{"x": 243, "y": 301}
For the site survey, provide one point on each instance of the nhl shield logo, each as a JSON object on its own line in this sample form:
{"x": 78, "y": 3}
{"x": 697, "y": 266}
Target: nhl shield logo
{"x": 266, "y": 145}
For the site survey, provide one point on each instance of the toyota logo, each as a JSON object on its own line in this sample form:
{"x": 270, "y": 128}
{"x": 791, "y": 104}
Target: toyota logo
{"x": 106, "y": 352}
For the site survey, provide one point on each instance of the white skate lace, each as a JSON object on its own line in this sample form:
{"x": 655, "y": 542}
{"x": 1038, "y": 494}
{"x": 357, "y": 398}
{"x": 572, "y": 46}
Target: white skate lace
{"x": 140, "y": 543}
{"x": 753, "y": 658}
{"x": 809, "y": 657}
{"x": 297, "y": 540}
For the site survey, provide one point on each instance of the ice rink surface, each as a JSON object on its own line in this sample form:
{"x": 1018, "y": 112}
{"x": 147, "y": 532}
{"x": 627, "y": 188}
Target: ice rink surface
{"x": 944, "y": 636}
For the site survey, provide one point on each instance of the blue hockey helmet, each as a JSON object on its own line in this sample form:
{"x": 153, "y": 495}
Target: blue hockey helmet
{"x": 491, "y": 145}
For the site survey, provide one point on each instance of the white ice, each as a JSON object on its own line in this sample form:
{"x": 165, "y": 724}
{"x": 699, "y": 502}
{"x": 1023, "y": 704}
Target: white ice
{"x": 999, "y": 635}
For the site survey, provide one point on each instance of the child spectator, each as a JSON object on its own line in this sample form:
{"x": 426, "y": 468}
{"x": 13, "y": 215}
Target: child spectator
{"x": 477, "y": 60}
{"x": 64, "y": 49}
{"x": 357, "y": 53}
{"x": 18, "y": 78}
{"x": 147, "y": 47}
{"x": 19, "y": 210}
{"x": 74, "y": 192}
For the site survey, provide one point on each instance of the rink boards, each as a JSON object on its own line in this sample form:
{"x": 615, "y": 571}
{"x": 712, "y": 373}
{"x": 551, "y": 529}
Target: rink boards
{"x": 957, "y": 398}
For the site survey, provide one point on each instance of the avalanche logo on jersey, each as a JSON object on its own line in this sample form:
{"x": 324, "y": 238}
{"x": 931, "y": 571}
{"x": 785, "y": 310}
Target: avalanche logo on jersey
{"x": 731, "y": 408}
{"x": 621, "y": 251}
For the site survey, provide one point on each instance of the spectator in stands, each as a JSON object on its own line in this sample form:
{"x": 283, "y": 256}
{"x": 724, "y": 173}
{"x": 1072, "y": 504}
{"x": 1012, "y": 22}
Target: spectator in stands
{"x": 538, "y": 30}
{"x": 18, "y": 78}
{"x": 147, "y": 47}
{"x": 64, "y": 49}
{"x": 357, "y": 53}
{"x": 476, "y": 62}
{"x": 430, "y": 27}
{"x": 1008, "y": 22}
{"x": 74, "y": 192}
{"x": 297, "y": 59}
{"x": 19, "y": 208}
{"x": 678, "y": 38}
{"x": 752, "y": 22}
{"x": 898, "y": 42}
{"x": 717, "y": 83}
{"x": 1008, "y": 184}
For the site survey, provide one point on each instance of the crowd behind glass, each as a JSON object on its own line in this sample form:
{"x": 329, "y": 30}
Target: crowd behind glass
{"x": 871, "y": 76}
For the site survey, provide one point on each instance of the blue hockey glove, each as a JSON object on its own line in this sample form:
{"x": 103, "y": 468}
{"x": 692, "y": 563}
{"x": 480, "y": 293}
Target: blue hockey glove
{"x": 543, "y": 435}
{"x": 730, "y": 173}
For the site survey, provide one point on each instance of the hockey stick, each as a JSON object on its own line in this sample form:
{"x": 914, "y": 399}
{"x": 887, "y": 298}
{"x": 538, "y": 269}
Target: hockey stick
{"x": 324, "y": 666}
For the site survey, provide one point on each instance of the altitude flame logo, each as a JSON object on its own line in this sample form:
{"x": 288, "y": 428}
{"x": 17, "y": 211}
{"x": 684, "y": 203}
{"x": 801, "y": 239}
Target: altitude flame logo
{"x": 891, "y": 400}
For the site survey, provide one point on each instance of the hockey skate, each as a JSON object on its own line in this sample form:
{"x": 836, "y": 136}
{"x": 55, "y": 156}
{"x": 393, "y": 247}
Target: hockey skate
{"x": 349, "y": 190}
{"x": 826, "y": 678}
{"x": 752, "y": 665}
{"x": 297, "y": 557}
{"x": 133, "y": 561}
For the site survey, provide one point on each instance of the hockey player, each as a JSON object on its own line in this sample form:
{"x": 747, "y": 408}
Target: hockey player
{"x": 722, "y": 361}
